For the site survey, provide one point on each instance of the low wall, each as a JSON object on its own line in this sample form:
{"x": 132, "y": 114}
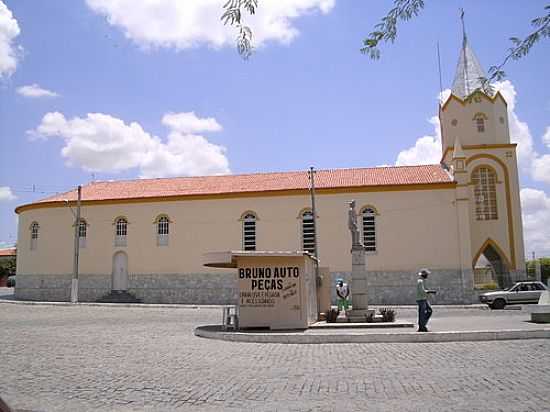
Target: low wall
{"x": 384, "y": 288}
{"x": 204, "y": 288}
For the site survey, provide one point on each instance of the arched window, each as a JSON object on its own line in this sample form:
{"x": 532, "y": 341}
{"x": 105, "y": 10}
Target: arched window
{"x": 479, "y": 120}
{"x": 480, "y": 123}
{"x": 249, "y": 231}
{"x": 121, "y": 231}
{"x": 35, "y": 228}
{"x": 368, "y": 217}
{"x": 485, "y": 194}
{"x": 163, "y": 230}
{"x": 82, "y": 233}
{"x": 308, "y": 232}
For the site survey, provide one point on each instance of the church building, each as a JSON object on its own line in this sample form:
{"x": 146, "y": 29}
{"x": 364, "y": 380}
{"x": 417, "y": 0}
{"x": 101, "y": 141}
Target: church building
{"x": 148, "y": 236}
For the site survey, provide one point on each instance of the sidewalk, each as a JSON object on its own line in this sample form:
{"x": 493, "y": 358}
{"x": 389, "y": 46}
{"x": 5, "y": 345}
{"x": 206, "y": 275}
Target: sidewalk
{"x": 458, "y": 325}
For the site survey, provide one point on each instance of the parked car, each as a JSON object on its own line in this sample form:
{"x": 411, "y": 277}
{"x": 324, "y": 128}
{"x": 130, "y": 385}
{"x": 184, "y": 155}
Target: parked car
{"x": 521, "y": 292}
{"x": 11, "y": 281}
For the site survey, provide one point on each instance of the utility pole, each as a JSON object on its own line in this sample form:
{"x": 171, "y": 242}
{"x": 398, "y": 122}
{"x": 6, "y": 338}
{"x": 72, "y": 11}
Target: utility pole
{"x": 311, "y": 174}
{"x": 74, "y": 282}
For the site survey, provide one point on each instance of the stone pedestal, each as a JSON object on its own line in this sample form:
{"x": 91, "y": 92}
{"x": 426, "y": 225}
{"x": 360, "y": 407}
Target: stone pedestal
{"x": 541, "y": 313}
{"x": 359, "y": 285}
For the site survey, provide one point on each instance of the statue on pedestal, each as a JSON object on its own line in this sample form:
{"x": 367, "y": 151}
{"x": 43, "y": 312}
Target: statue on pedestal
{"x": 353, "y": 226}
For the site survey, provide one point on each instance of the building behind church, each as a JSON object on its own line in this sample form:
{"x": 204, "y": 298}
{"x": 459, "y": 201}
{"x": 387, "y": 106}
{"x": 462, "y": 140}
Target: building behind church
{"x": 148, "y": 236}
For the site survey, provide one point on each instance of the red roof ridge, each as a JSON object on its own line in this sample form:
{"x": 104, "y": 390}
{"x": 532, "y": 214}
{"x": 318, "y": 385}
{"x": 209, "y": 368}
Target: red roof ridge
{"x": 248, "y": 183}
{"x": 334, "y": 169}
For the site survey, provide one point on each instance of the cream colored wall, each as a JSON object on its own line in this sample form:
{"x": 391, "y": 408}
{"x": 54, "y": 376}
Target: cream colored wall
{"x": 497, "y": 230}
{"x": 414, "y": 229}
{"x": 496, "y": 131}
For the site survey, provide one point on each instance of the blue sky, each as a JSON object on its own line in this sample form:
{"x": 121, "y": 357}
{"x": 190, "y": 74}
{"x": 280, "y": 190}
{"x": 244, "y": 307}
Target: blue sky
{"x": 306, "y": 97}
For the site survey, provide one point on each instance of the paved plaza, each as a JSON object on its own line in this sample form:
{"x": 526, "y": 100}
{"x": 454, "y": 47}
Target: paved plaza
{"x": 84, "y": 358}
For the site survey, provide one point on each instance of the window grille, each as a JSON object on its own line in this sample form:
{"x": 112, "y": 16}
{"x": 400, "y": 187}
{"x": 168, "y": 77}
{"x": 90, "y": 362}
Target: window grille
{"x": 480, "y": 123}
{"x": 485, "y": 194}
{"x": 369, "y": 229}
{"x": 121, "y": 233}
{"x": 308, "y": 232}
{"x": 163, "y": 229}
{"x": 82, "y": 233}
{"x": 34, "y": 235}
{"x": 249, "y": 232}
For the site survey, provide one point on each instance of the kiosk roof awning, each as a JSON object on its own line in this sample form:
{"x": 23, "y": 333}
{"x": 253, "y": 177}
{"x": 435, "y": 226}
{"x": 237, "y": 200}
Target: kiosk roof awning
{"x": 228, "y": 259}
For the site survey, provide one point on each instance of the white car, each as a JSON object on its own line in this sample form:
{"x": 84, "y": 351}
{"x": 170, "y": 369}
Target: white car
{"x": 520, "y": 293}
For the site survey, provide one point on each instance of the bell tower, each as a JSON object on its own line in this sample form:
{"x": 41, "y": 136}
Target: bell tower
{"x": 478, "y": 153}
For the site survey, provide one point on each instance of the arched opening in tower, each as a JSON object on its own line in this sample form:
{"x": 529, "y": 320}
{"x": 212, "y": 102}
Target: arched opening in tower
{"x": 491, "y": 268}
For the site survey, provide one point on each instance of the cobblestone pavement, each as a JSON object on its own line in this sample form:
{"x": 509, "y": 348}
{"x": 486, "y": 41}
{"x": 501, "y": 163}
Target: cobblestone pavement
{"x": 131, "y": 359}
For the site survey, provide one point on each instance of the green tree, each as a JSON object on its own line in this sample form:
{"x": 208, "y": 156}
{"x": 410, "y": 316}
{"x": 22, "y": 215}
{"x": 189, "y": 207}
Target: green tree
{"x": 7, "y": 267}
{"x": 386, "y": 31}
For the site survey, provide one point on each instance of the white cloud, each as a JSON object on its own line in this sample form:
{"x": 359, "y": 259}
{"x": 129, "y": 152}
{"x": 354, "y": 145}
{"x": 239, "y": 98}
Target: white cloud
{"x": 426, "y": 150}
{"x": 183, "y": 24}
{"x": 102, "y": 143}
{"x": 34, "y": 90}
{"x": 535, "y": 206}
{"x": 6, "y": 194}
{"x": 190, "y": 123}
{"x": 9, "y": 30}
{"x": 546, "y": 137}
{"x": 519, "y": 131}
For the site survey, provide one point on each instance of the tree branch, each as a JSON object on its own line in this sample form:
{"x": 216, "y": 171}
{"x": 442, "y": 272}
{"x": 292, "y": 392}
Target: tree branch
{"x": 233, "y": 16}
{"x": 386, "y": 30}
{"x": 521, "y": 48}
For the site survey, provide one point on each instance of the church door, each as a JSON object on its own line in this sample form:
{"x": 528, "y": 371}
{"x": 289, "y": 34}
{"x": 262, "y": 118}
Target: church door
{"x": 120, "y": 271}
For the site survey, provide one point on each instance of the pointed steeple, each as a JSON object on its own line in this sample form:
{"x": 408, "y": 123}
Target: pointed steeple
{"x": 458, "y": 152}
{"x": 468, "y": 70}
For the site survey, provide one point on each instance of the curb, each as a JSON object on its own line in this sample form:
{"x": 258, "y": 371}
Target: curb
{"x": 215, "y": 332}
{"x": 113, "y": 305}
{"x": 200, "y": 306}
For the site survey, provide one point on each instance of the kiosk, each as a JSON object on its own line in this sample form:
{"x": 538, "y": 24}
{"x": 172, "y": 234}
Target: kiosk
{"x": 277, "y": 290}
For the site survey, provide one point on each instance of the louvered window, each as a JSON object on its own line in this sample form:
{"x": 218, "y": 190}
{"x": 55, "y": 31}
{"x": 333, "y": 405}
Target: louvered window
{"x": 308, "y": 232}
{"x": 249, "y": 232}
{"x": 121, "y": 232}
{"x": 163, "y": 230}
{"x": 369, "y": 229}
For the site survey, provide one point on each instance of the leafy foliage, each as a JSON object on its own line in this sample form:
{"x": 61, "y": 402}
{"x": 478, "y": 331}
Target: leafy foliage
{"x": 7, "y": 267}
{"x": 544, "y": 267}
{"x": 521, "y": 47}
{"x": 233, "y": 16}
{"x": 386, "y": 30}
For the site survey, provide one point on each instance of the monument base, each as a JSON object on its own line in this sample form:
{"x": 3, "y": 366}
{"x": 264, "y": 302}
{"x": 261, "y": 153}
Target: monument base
{"x": 360, "y": 315}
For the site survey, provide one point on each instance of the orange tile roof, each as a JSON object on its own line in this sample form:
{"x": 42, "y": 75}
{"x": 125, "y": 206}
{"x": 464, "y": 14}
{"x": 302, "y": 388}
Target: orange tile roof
{"x": 10, "y": 251}
{"x": 257, "y": 182}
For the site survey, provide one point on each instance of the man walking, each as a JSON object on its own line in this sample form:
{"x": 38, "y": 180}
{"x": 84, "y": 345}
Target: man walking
{"x": 424, "y": 308}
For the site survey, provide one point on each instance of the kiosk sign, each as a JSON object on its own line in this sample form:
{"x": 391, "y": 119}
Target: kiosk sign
{"x": 269, "y": 287}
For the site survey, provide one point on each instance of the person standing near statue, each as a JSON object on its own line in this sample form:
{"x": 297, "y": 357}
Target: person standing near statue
{"x": 424, "y": 309}
{"x": 342, "y": 293}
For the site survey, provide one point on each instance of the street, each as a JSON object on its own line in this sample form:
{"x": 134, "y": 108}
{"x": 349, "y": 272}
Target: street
{"x": 84, "y": 358}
